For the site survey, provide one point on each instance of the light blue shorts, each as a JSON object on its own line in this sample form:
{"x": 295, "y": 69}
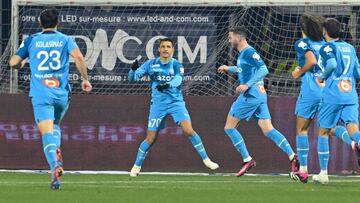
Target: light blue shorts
{"x": 245, "y": 108}
{"x": 331, "y": 114}
{"x": 158, "y": 113}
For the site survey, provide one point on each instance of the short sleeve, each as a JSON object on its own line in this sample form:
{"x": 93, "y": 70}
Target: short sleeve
{"x": 71, "y": 44}
{"x": 302, "y": 46}
{"x": 254, "y": 58}
{"x": 178, "y": 68}
{"x": 328, "y": 51}
{"x": 23, "y": 51}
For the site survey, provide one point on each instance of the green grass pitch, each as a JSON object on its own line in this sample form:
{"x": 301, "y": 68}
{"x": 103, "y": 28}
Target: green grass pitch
{"x": 34, "y": 188}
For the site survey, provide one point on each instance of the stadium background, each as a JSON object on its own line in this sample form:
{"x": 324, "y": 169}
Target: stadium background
{"x": 102, "y": 130}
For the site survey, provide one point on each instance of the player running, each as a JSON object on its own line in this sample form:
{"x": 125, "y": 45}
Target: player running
{"x": 340, "y": 99}
{"x": 48, "y": 52}
{"x": 166, "y": 75}
{"x": 307, "y": 105}
{"x": 252, "y": 101}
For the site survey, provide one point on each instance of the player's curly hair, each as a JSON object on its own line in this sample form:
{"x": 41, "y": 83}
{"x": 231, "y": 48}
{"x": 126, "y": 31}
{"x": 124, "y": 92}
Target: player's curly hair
{"x": 312, "y": 25}
{"x": 49, "y": 18}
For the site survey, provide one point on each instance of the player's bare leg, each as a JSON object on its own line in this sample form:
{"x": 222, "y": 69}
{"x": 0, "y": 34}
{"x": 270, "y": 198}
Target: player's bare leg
{"x": 280, "y": 140}
{"x": 239, "y": 144}
{"x": 197, "y": 144}
{"x": 143, "y": 151}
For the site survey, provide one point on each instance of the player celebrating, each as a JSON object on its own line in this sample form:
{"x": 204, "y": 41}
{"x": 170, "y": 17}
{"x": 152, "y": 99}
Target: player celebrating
{"x": 340, "y": 99}
{"x": 307, "y": 105}
{"x": 252, "y": 101}
{"x": 310, "y": 95}
{"x": 48, "y": 52}
{"x": 166, "y": 75}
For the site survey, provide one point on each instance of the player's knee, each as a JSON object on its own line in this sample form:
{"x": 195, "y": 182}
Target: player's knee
{"x": 150, "y": 140}
{"x": 265, "y": 125}
{"x": 150, "y": 137}
{"x": 323, "y": 132}
{"x": 188, "y": 131}
{"x": 302, "y": 131}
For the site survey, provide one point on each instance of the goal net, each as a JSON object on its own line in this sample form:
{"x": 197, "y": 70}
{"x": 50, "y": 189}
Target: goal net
{"x": 112, "y": 35}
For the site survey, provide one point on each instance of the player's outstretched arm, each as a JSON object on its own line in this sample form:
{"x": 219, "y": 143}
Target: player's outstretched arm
{"x": 224, "y": 68}
{"x": 310, "y": 61}
{"x": 81, "y": 66}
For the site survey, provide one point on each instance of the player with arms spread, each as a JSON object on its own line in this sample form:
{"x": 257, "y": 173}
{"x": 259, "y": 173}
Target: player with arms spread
{"x": 166, "y": 75}
{"x": 48, "y": 54}
{"x": 252, "y": 101}
{"x": 340, "y": 99}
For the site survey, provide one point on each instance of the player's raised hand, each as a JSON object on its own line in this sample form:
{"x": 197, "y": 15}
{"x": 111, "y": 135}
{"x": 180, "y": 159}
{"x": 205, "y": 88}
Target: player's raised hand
{"x": 86, "y": 86}
{"x": 135, "y": 65}
{"x": 223, "y": 69}
{"x": 241, "y": 88}
{"x": 297, "y": 72}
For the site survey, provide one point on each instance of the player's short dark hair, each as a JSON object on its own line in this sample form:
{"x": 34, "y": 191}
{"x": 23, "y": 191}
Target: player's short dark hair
{"x": 166, "y": 40}
{"x": 49, "y": 18}
{"x": 312, "y": 26}
{"x": 332, "y": 27}
{"x": 241, "y": 30}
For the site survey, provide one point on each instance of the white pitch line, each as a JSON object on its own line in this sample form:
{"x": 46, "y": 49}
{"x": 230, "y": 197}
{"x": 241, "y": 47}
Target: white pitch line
{"x": 163, "y": 173}
{"x": 238, "y": 180}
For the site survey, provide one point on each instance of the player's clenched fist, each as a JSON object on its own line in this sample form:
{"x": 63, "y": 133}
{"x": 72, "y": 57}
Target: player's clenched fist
{"x": 86, "y": 86}
{"x": 223, "y": 69}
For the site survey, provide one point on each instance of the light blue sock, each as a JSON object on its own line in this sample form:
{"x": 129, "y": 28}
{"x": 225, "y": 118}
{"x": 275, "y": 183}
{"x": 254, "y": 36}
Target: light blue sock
{"x": 302, "y": 148}
{"x": 57, "y": 135}
{"x": 342, "y": 133}
{"x": 198, "y": 145}
{"x": 280, "y": 141}
{"x": 142, "y": 152}
{"x": 356, "y": 137}
{"x": 238, "y": 142}
{"x": 323, "y": 152}
{"x": 49, "y": 147}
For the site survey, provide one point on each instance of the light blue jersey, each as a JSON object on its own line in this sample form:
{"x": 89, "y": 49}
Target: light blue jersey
{"x": 48, "y": 54}
{"x": 161, "y": 73}
{"x": 248, "y": 64}
{"x": 340, "y": 84}
{"x": 310, "y": 90}
{"x": 168, "y": 102}
{"x": 251, "y": 71}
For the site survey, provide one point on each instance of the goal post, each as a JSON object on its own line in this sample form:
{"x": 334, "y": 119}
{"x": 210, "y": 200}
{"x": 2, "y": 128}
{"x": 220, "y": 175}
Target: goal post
{"x": 112, "y": 34}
